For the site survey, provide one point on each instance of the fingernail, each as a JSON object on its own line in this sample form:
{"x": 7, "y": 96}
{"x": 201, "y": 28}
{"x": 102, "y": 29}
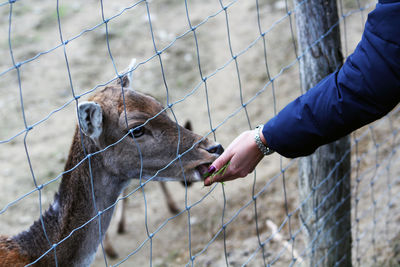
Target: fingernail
{"x": 212, "y": 169}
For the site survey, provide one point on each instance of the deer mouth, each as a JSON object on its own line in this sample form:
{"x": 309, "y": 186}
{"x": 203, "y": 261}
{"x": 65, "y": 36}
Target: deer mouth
{"x": 202, "y": 171}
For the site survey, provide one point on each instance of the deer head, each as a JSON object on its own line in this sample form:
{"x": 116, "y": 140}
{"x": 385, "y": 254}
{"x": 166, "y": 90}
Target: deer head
{"x": 141, "y": 140}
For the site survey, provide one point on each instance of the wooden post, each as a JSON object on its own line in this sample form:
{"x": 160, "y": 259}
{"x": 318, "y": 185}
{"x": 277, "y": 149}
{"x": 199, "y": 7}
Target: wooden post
{"x": 326, "y": 212}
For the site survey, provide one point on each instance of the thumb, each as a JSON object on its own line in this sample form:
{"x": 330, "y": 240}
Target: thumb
{"x": 217, "y": 165}
{"x": 221, "y": 160}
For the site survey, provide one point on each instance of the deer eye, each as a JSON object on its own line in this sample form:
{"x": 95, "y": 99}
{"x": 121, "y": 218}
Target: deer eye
{"x": 137, "y": 131}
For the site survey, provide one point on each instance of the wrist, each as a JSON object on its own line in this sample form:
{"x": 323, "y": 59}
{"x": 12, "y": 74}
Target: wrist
{"x": 262, "y": 138}
{"x": 261, "y": 141}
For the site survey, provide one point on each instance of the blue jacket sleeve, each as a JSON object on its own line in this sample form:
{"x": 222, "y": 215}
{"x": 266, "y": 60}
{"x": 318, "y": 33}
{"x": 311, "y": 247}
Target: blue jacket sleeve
{"x": 366, "y": 88}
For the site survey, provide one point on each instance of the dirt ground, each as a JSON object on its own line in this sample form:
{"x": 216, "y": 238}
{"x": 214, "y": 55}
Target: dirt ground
{"x": 46, "y": 91}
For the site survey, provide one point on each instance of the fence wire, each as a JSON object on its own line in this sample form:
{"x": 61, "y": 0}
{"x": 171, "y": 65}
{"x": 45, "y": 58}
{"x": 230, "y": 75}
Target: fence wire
{"x": 271, "y": 240}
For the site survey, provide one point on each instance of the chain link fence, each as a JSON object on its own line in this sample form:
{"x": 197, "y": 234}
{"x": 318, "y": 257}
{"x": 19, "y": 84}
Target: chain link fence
{"x": 224, "y": 65}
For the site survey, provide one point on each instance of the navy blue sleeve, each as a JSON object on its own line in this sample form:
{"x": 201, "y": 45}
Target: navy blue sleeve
{"x": 365, "y": 89}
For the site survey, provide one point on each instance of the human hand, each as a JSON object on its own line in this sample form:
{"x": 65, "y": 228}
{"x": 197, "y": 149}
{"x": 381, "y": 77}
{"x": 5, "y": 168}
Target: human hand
{"x": 243, "y": 156}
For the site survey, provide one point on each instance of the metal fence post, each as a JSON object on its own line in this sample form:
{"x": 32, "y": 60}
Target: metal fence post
{"x": 324, "y": 177}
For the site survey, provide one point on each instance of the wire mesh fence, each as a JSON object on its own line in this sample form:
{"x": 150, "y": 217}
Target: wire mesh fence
{"x": 224, "y": 65}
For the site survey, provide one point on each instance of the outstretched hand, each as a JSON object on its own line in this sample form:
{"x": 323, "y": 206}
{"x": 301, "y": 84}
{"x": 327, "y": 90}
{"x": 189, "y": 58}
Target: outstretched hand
{"x": 243, "y": 156}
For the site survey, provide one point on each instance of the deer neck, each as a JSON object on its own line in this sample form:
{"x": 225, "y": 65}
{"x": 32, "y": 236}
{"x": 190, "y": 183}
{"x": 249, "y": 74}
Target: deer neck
{"x": 75, "y": 204}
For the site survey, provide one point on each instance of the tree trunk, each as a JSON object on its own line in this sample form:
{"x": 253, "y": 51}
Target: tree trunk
{"x": 324, "y": 177}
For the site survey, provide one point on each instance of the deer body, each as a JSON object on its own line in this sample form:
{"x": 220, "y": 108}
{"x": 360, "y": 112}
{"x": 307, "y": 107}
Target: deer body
{"x": 149, "y": 146}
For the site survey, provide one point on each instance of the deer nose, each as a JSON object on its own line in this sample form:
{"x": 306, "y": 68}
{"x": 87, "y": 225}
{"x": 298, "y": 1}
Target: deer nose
{"x": 218, "y": 149}
{"x": 186, "y": 184}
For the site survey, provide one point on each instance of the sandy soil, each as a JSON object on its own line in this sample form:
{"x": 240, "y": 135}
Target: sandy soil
{"x": 45, "y": 87}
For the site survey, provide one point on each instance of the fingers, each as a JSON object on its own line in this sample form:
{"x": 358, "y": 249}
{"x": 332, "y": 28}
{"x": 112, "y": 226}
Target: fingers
{"x": 232, "y": 172}
{"x": 242, "y": 154}
{"x": 218, "y": 178}
{"x": 222, "y": 160}
{"x": 219, "y": 163}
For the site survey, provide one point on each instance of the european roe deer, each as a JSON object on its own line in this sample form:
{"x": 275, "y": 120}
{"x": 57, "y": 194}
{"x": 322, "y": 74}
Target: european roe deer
{"x": 147, "y": 148}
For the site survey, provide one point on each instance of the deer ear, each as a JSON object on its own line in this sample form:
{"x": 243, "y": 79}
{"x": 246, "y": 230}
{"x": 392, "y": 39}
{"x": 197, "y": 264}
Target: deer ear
{"x": 91, "y": 119}
{"x": 188, "y": 125}
{"x": 126, "y": 80}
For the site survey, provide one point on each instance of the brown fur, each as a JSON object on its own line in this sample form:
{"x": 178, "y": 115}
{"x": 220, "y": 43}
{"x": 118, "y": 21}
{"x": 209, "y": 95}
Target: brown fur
{"x": 11, "y": 253}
